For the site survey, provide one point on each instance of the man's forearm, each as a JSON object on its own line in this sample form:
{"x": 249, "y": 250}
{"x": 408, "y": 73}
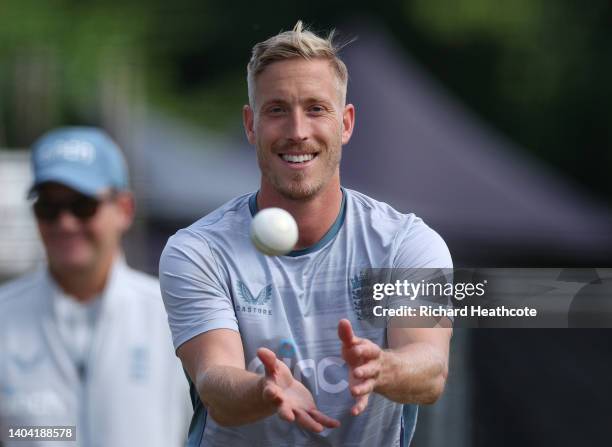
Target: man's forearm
{"x": 233, "y": 396}
{"x": 413, "y": 374}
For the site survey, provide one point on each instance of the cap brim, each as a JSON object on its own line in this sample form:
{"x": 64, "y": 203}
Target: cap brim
{"x": 90, "y": 185}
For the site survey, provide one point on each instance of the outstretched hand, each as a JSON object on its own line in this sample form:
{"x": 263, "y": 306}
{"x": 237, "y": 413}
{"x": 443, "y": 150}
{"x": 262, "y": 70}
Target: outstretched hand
{"x": 364, "y": 359}
{"x": 293, "y": 400}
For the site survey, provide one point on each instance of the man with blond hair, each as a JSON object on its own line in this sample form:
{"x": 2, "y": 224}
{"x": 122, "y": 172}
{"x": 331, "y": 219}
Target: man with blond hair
{"x": 275, "y": 347}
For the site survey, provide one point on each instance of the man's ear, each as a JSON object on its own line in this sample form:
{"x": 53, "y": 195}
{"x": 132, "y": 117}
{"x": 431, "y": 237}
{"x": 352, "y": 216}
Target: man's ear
{"x": 248, "y": 120}
{"x": 127, "y": 209}
{"x": 348, "y": 122}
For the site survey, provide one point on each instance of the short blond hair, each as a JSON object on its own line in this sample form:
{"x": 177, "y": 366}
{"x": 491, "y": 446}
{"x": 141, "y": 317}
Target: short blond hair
{"x": 299, "y": 42}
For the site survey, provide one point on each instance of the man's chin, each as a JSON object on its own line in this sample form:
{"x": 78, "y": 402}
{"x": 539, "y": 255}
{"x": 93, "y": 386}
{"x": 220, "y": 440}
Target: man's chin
{"x": 299, "y": 192}
{"x": 70, "y": 265}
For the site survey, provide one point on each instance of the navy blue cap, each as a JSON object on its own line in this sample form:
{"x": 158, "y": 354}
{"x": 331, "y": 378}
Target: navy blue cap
{"x": 85, "y": 159}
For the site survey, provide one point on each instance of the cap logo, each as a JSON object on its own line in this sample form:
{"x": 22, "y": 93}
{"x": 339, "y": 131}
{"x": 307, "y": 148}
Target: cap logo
{"x": 70, "y": 150}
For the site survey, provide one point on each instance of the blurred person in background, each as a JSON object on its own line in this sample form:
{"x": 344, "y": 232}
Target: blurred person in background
{"x": 84, "y": 341}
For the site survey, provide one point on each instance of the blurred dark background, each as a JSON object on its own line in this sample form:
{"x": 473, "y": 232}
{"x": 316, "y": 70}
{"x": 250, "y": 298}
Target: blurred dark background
{"x": 491, "y": 120}
{"x": 537, "y": 70}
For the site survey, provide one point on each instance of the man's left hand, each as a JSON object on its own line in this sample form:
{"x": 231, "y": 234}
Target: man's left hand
{"x": 364, "y": 359}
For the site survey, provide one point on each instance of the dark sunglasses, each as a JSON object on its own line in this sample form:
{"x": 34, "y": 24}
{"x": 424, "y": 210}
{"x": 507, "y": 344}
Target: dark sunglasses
{"x": 81, "y": 207}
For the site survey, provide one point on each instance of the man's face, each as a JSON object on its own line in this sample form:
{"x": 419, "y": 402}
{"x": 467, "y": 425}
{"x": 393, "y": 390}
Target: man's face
{"x": 78, "y": 244}
{"x": 298, "y": 125}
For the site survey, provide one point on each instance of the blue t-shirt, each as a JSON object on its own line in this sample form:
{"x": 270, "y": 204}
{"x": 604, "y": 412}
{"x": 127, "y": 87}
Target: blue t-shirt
{"x": 213, "y": 277}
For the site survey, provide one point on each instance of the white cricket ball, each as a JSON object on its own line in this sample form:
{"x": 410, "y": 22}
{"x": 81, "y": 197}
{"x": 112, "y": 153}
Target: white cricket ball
{"x": 274, "y": 231}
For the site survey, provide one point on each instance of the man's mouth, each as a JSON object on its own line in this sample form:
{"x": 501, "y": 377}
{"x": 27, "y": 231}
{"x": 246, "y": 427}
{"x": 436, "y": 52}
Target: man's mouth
{"x": 297, "y": 158}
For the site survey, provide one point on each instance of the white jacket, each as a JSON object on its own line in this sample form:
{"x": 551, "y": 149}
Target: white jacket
{"x": 132, "y": 390}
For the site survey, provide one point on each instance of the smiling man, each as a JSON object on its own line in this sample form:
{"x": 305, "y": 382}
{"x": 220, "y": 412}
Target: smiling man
{"x": 84, "y": 341}
{"x": 274, "y": 346}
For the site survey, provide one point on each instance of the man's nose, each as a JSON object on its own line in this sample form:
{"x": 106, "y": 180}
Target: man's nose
{"x": 298, "y": 127}
{"x": 66, "y": 220}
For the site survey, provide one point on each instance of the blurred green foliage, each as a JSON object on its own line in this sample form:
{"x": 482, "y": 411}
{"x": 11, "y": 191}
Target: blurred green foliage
{"x": 538, "y": 70}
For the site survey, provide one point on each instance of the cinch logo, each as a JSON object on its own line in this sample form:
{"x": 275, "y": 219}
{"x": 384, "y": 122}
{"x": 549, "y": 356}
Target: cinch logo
{"x": 251, "y": 304}
{"x": 324, "y": 374}
{"x": 70, "y": 150}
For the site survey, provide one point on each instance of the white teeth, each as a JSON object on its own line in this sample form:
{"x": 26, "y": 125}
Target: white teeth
{"x": 297, "y": 158}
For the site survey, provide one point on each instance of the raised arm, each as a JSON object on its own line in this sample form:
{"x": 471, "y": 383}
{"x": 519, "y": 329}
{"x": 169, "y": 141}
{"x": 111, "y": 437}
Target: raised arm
{"x": 234, "y": 396}
{"x": 412, "y": 370}
{"x": 205, "y": 332}
{"x": 415, "y": 368}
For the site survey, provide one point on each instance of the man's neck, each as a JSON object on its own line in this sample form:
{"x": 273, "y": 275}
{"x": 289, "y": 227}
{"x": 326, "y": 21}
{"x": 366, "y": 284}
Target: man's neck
{"x": 314, "y": 216}
{"x": 84, "y": 285}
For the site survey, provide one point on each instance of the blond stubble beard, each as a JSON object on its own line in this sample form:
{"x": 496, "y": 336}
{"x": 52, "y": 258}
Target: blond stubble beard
{"x": 297, "y": 188}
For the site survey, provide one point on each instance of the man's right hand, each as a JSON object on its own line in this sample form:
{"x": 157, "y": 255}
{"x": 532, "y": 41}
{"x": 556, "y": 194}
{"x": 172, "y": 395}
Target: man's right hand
{"x": 293, "y": 400}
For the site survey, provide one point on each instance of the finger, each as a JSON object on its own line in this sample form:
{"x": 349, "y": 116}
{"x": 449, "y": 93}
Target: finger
{"x": 345, "y": 332}
{"x": 286, "y": 413}
{"x": 268, "y": 358}
{"x": 369, "y": 370}
{"x": 306, "y": 421}
{"x": 353, "y": 354}
{"x": 323, "y": 419}
{"x": 360, "y": 405}
{"x": 363, "y": 388}
{"x": 273, "y": 393}
{"x": 366, "y": 350}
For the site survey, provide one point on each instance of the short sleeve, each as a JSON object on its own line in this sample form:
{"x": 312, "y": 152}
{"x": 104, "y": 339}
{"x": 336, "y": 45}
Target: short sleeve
{"x": 418, "y": 246}
{"x": 423, "y": 260}
{"x": 193, "y": 290}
